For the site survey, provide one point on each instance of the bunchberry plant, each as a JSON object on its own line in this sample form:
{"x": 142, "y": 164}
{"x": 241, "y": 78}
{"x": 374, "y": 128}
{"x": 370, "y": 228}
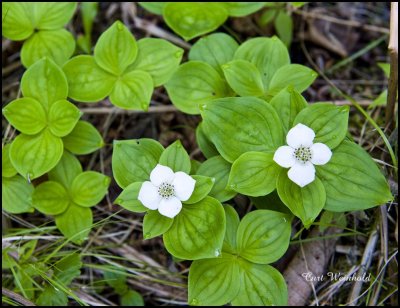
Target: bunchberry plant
{"x": 192, "y": 19}
{"x": 41, "y": 27}
{"x": 159, "y": 182}
{"x": 123, "y": 69}
{"x": 68, "y": 196}
{"x": 241, "y": 275}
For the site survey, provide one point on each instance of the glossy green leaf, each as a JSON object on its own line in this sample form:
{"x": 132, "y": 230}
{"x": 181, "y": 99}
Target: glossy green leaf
{"x": 50, "y": 198}
{"x": 352, "y": 180}
{"x": 83, "y": 139}
{"x": 16, "y": 22}
{"x": 58, "y": 45}
{"x": 204, "y": 143}
{"x": 267, "y": 54}
{"x": 244, "y": 78}
{"x": 50, "y": 296}
{"x": 328, "y": 121}
{"x": 263, "y": 236}
{"x": 198, "y": 231}
{"x": 133, "y": 160}
{"x": 87, "y": 81}
{"x": 232, "y": 224}
{"x": 26, "y": 114}
{"x": 201, "y": 189}
{"x": 133, "y": 90}
{"x": 157, "y": 57}
{"x": 68, "y": 268}
{"x": 284, "y": 27}
{"x": 192, "y": 19}
{"x": 194, "y": 166}
{"x": 45, "y": 82}
{"x": 52, "y": 15}
{"x": 155, "y": 224}
{"x": 75, "y": 223}
{"x": 176, "y": 157}
{"x": 298, "y": 76}
{"x": 288, "y": 103}
{"x": 7, "y": 169}
{"x": 239, "y": 9}
{"x": 261, "y": 285}
{"x": 218, "y": 168}
{"x": 116, "y": 49}
{"x": 215, "y": 49}
{"x": 128, "y": 198}
{"x": 16, "y": 196}
{"x": 214, "y": 282}
{"x": 254, "y": 174}
{"x": 63, "y": 117}
{"x": 195, "y": 83}
{"x": 35, "y": 155}
{"x": 89, "y": 188}
{"x": 154, "y": 7}
{"x": 131, "y": 298}
{"x": 260, "y": 127}
{"x": 67, "y": 169}
{"x": 270, "y": 202}
{"x": 307, "y": 202}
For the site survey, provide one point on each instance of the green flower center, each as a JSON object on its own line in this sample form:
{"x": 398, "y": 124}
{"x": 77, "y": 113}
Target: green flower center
{"x": 166, "y": 190}
{"x": 303, "y": 154}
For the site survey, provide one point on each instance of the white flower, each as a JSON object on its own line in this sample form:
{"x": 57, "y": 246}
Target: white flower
{"x": 166, "y": 190}
{"x": 301, "y": 155}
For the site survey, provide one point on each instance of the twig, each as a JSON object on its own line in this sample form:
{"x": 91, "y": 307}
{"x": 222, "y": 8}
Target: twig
{"x": 394, "y": 55}
{"x": 20, "y": 299}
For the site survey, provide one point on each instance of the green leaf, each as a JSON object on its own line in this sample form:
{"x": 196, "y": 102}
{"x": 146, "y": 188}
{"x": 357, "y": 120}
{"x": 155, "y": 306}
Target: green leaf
{"x": 284, "y": 27}
{"x": 307, "y": 202}
{"x": 138, "y": 156}
{"x": 244, "y": 78}
{"x": 116, "y": 49}
{"x": 232, "y": 224}
{"x": 202, "y": 188}
{"x": 26, "y": 250}
{"x": 157, "y": 57}
{"x": 192, "y": 19}
{"x": 50, "y": 296}
{"x": 195, "y": 83}
{"x": 68, "y": 268}
{"x": 218, "y": 168}
{"x": 87, "y": 81}
{"x": 75, "y": 223}
{"x": 16, "y": 20}
{"x": 239, "y": 9}
{"x": 267, "y": 54}
{"x": 133, "y": 90}
{"x": 116, "y": 280}
{"x": 329, "y": 122}
{"x": 58, "y": 45}
{"x": 214, "y": 282}
{"x": 89, "y": 188}
{"x": 154, "y": 7}
{"x": 131, "y": 298}
{"x": 128, "y": 198}
{"x": 270, "y": 202}
{"x": 198, "y": 231}
{"x": 63, "y": 117}
{"x": 50, "y": 198}
{"x": 16, "y": 197}
{"x": 215, "y": 49}
{"x": 83, "y": 139}
{"x": 352, "y": 180}
{"x": 7, "y": 169}
{"x": 263, "y": 236}
{"x": 52, "y": 15}
{"x": 194, "y": 166}
{"x": 298, "y": 76}
{"x": 385, "y": 67}
{"x": 381, "y": 100}
{"x": 267, "y": 16}
{"x": 204, "y": 143}
{"x": 260, "y": 127}
{"x": 288, "y": 103}
{"x": 254, "y": 174}
{"x": 26, "y": 114}
{"x": 176, "y": 157}
{"x": 261, "y": 285}
{"x": 35, "y": 155}
{"x": 155, "y": 224}
{"x": 45, "y": 82}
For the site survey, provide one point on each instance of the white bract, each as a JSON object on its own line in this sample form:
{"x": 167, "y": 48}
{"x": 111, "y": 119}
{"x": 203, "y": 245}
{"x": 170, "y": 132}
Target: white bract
{"x": 166, "y": 190}
{"x": 301, "y": 154}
